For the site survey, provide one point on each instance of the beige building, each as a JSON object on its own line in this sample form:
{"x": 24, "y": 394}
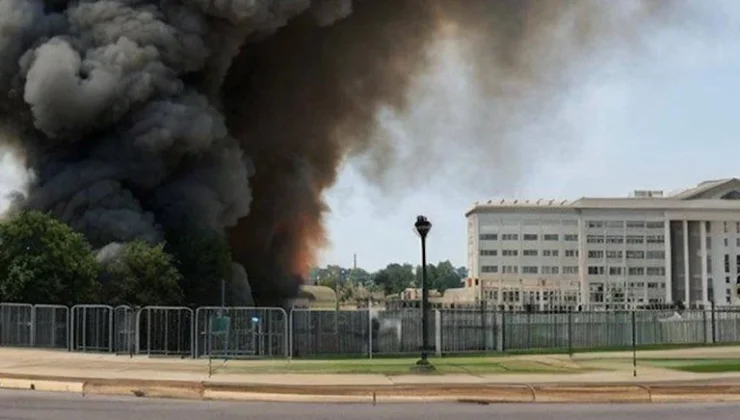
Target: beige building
{"x": 649, "y": 247}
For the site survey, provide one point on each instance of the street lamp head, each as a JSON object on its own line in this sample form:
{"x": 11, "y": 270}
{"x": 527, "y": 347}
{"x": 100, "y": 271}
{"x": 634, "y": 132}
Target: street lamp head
{"x": 423, "y": 226}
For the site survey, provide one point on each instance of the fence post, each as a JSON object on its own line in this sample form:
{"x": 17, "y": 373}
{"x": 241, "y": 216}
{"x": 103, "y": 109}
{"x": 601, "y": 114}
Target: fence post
{"x": 704, "y": 324}
{"x": 438, "y": 332}
{"x": 502, "y": 330}
{"x": 370, "y": 328}
{"x": 570, "y": 332}
{"x": 714, "y": 324}
{"x": 484, "y": 329}
{"x": 634, "y": 345}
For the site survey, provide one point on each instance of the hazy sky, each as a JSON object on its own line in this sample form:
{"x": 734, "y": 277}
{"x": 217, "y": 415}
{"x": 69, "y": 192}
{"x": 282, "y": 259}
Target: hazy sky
{"x": 669, "y": 120}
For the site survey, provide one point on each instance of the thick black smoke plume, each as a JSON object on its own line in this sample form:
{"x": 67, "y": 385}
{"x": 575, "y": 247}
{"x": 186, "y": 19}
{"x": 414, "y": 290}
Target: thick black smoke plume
{"x": 138, "y": 116}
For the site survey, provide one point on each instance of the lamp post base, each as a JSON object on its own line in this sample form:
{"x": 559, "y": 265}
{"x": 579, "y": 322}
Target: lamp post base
{"x": 423, "y": 366}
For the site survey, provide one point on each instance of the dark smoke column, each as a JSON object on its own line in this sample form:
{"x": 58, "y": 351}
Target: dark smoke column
{"x": 139, "y": 117}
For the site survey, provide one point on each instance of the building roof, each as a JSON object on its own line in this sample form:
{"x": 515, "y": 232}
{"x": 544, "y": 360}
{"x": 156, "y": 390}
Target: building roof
{"x": 721, "y": 194}
{"x": 319, "y": 294}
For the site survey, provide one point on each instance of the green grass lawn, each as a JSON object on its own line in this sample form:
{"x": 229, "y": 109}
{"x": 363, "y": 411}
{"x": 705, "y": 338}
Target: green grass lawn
{"x": 446, "y": 365}
{"x": 697, "y": 366}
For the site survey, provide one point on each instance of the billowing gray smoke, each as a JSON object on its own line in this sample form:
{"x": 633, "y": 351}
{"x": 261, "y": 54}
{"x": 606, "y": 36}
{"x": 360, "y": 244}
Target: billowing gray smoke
{"x": 142, "y": 118}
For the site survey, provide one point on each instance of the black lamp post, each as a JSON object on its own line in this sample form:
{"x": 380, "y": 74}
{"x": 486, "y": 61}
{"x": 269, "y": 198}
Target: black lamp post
{"x": 423, "y": 226}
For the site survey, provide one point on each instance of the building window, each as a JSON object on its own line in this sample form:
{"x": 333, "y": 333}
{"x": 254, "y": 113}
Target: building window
{"x": 635, "y": 255}
{"x": 632, "y": 239}
{"x": 727, "y": 263}
{"x": 489, "y": 269}
{"x": 655, "y": 255}
{"x": 595, "y": 239}
{"x": 550, "y": 253}
{"x": 570, "y": 238}
{"x": 550, "y": 270}
{"x": 656, "y": 239}
{"x": 550, "y": 237}
{"x": 595, "y": 224}
{"x": 510, "y": 237}
{"x": 611, "y": 239}
{"x": 529, "y": 269}
{"x": 614, "y": 255}
{"x": 737, "y": 242}
{"x": 726, "y": 242}
{"x": 654, "y": 225}
{"x": 595, "y": 269}
{"x": 656, "y": 271}
{"x": 530, "y": 252}
{"x": 509, "y": 252}
{"x": 636, "y": 271}
{"x": 488, "y": 236}
{"x": 571, "y": 269}
{"x": 510, "y": 269}
{"x": 596, "y": 254}
{"x": 727, "y": 280}
{"x": 571, "y": 252}
{"x": 488, "y": 252}
{"x": 530, "y": 237}
{"x": 615, "y": 271}
{"x": 615, "y": 224}
{"x": 709, "y": 242}
{"x": 635, "y": 224}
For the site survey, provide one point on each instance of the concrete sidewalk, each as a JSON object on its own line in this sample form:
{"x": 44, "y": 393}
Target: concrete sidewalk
{"x": 107, "y": 374}
{"x": 617, "y": 368}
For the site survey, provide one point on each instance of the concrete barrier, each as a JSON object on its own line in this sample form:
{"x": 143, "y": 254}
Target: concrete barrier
{"x": 694, "y": 393}
{"x": 592, "y": 394}
{"x": 42, "y": 385}
{"x": 472, "y": 393}
{"x": 148, "y": 389}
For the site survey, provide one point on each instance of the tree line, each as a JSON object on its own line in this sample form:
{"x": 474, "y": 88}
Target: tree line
{"x": 43, "y": 260}
{"x": 392, "y": 279}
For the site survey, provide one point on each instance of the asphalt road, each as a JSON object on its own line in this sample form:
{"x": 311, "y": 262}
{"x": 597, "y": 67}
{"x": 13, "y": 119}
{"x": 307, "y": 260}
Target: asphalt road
{"x": 41, "y": 406}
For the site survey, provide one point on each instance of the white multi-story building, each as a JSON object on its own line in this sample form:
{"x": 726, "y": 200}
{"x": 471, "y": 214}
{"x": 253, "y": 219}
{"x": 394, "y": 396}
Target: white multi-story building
{"x": 610, "y": 252}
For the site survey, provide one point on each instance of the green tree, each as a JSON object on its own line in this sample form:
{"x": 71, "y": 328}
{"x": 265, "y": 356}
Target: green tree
{"x": 394, "y": 278}
{"x": 142, "y": 274}
{"x": 203, "y": 257}
{"x": 446, "y": 276}
{"x": 42, "y": 260}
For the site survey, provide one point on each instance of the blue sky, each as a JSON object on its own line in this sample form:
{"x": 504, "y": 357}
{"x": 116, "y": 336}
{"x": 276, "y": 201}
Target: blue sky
{"x": 667, "y": 120}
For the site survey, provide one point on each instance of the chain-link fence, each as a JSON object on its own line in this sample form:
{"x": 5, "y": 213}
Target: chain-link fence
{"x": 227, "y": 332}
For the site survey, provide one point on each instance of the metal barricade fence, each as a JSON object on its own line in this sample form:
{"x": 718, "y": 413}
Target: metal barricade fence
{"x": 124, "y": 328}
{"x": 16, "y": 325}
{"x": 466, "y": 330}
{"x": 165, "y": 330}
{"x": 92, "y": 328}
{"x": 328, "y": 332}
{"x": 399, "y": 331}
{"x": 238, "y": 332}
{"x": 51, "y": 326}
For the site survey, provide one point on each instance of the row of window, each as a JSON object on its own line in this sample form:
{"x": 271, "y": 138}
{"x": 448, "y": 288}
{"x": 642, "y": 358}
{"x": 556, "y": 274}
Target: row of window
{"x": 630, "y": 239}
{"x": 631, "y": 224}
{"x": 571, "y": 253}
{"x": 529, "y": 269}
{"x": 591, "y": 239}
{"x": 596, "y": 270}
{"x": 650, "y": 255}
{"x": 528, "y": 237}
{"x": 600, "y": 270}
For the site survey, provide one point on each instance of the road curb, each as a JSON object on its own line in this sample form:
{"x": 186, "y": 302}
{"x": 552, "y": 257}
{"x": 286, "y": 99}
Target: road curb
{"x": 470, "y": 393}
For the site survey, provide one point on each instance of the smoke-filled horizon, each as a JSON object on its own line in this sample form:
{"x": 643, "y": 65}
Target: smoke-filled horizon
{"x": 139, "y": 117}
